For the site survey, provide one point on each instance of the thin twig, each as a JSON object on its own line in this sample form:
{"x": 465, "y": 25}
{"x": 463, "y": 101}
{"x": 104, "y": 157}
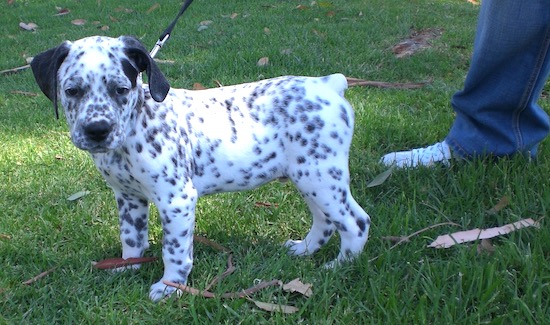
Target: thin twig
{"x": 15, "y": 70}
{"x": 381, "y": 84}
{"x": 251, "y": 290}
{"x": 230, "y": 269}
{"x": 407, "y": 238}
{"x": 38, "y": 277}
{"x": 229, "y": 295}
{"x": 190, "y": 290}
{"x": 210, "y": 243}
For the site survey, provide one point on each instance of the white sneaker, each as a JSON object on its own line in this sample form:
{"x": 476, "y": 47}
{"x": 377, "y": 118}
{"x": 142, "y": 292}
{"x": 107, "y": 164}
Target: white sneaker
{"x": 437, "y": 153}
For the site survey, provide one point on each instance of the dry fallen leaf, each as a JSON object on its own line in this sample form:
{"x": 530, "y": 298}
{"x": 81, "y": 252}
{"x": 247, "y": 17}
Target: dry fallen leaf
{"x": 501, "y": 204}
{"x": 104, "y": 28}
{"x": 298, "y": 286}
{"x": 286, "y": 51}
{"x": 446, "y": 241}
{"x": 28, "y": 26}
{"x": 78, "y": 22}
{"x": 78, "y": 195}
{"x": 417, "y": 40}
{"x": 262, "y": 62}
{"x": 275, "y": 307}
{"x": 153, "y": 8}
{"x": 125, "y": 10}
{"x": 4, "y": 236}
{"x": 380, "y": 178}
{"x": 198, "y": 86}
{"x": 485, "y": 246}
{"x": 62, "y": 11}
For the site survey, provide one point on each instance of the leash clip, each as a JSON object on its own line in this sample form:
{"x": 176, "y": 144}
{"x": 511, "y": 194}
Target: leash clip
{"x": 158, "y": 45}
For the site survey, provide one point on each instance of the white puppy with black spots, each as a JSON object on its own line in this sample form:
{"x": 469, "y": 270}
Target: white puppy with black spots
{"x": 153, "y": 143}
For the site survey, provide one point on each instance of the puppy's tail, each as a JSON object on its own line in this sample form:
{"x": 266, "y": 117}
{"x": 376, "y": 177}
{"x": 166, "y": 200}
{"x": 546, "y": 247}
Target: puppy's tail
{"x": 336, "y": 82}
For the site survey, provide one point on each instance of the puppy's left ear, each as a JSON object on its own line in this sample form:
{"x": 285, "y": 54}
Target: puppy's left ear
{"x": 158, "y": 85}
{"x": 45, "y": 66}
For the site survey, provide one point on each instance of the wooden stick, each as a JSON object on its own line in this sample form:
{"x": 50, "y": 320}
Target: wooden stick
{"x": 38, "y": 277}
{"x": 15, "y": 70}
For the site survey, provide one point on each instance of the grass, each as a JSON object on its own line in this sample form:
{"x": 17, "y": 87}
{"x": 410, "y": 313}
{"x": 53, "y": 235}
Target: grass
{"x": 410, "y": 284}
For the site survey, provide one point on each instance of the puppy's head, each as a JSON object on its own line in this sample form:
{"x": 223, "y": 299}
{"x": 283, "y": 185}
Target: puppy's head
{"x": 97, "y": 81}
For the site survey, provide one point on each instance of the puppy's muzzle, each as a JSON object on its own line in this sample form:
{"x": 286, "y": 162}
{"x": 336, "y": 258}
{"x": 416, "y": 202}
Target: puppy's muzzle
{"x": 98, "y": 131}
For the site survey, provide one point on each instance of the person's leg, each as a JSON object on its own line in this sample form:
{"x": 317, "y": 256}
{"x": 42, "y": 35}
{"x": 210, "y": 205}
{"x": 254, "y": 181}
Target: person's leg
{"x": 497, "y": 111}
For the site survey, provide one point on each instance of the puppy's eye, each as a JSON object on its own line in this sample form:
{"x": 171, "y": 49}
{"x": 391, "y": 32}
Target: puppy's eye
{"x": 71, "y": 92}
{"x": 122, "y": 91}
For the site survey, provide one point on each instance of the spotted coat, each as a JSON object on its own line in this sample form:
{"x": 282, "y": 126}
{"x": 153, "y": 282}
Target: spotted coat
{"x": 156, "y": 144}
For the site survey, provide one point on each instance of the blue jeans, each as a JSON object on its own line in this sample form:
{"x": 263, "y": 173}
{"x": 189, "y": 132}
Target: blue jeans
{"x": 497, "y": 111}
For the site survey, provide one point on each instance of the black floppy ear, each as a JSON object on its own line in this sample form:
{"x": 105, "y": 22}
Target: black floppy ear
{"x": 158, "y": 85}
{"x": 45, "y": 66}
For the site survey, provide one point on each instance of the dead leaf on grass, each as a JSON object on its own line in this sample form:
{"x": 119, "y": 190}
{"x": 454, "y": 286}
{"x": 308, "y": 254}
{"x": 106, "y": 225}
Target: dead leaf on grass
{"x": 198, "y": 86}
{"x": 153, "y": 8}
{"x": 125, "y": 10}
{"x": 485, "y": 246}
{"x": 298, "y": 286}
{"x": 286, "y": 51}
{"x": 446, "y": 241}
{"x": 417, "y": 41}
{"x": 501, "y": 204}
{"x": 62, "y": 11}
{"x": 31, "y": 27}
{"x": 380, "y": 178}
{"x": 262, "y": 62}
{"x": 78, "y": 22}
{"x": 78, "y": 195}
{"x": 4, "y": 236}
{"x": 285, "y": 309}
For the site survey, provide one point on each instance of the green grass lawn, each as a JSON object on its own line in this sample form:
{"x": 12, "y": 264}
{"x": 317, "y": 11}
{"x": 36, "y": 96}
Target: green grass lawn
{"x": 410, "y": 284}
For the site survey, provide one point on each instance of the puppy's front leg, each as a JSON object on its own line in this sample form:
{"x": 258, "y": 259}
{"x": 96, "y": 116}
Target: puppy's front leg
{"x": 178, "y": 222}
{"x": 133, "y": 215}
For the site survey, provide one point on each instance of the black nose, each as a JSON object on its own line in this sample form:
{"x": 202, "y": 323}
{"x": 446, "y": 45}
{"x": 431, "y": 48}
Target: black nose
{"x": 98, "y": 131}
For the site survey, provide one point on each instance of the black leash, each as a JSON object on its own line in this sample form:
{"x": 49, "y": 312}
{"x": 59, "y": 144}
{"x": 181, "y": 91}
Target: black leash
{"x": 166, "y": 34}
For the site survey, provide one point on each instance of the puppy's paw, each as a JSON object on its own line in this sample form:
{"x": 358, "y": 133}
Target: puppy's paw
{"x": 160, "y": 291}
{"x": 297, "y": 247}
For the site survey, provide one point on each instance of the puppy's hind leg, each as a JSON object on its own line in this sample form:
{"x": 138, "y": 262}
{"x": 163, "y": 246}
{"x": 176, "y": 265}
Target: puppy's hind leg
{"x": 321, "y": 231}
{"x": 333, "y": 208}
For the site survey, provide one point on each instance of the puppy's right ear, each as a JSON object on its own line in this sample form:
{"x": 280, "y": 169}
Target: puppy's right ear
{"x": 45, "y": 66}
